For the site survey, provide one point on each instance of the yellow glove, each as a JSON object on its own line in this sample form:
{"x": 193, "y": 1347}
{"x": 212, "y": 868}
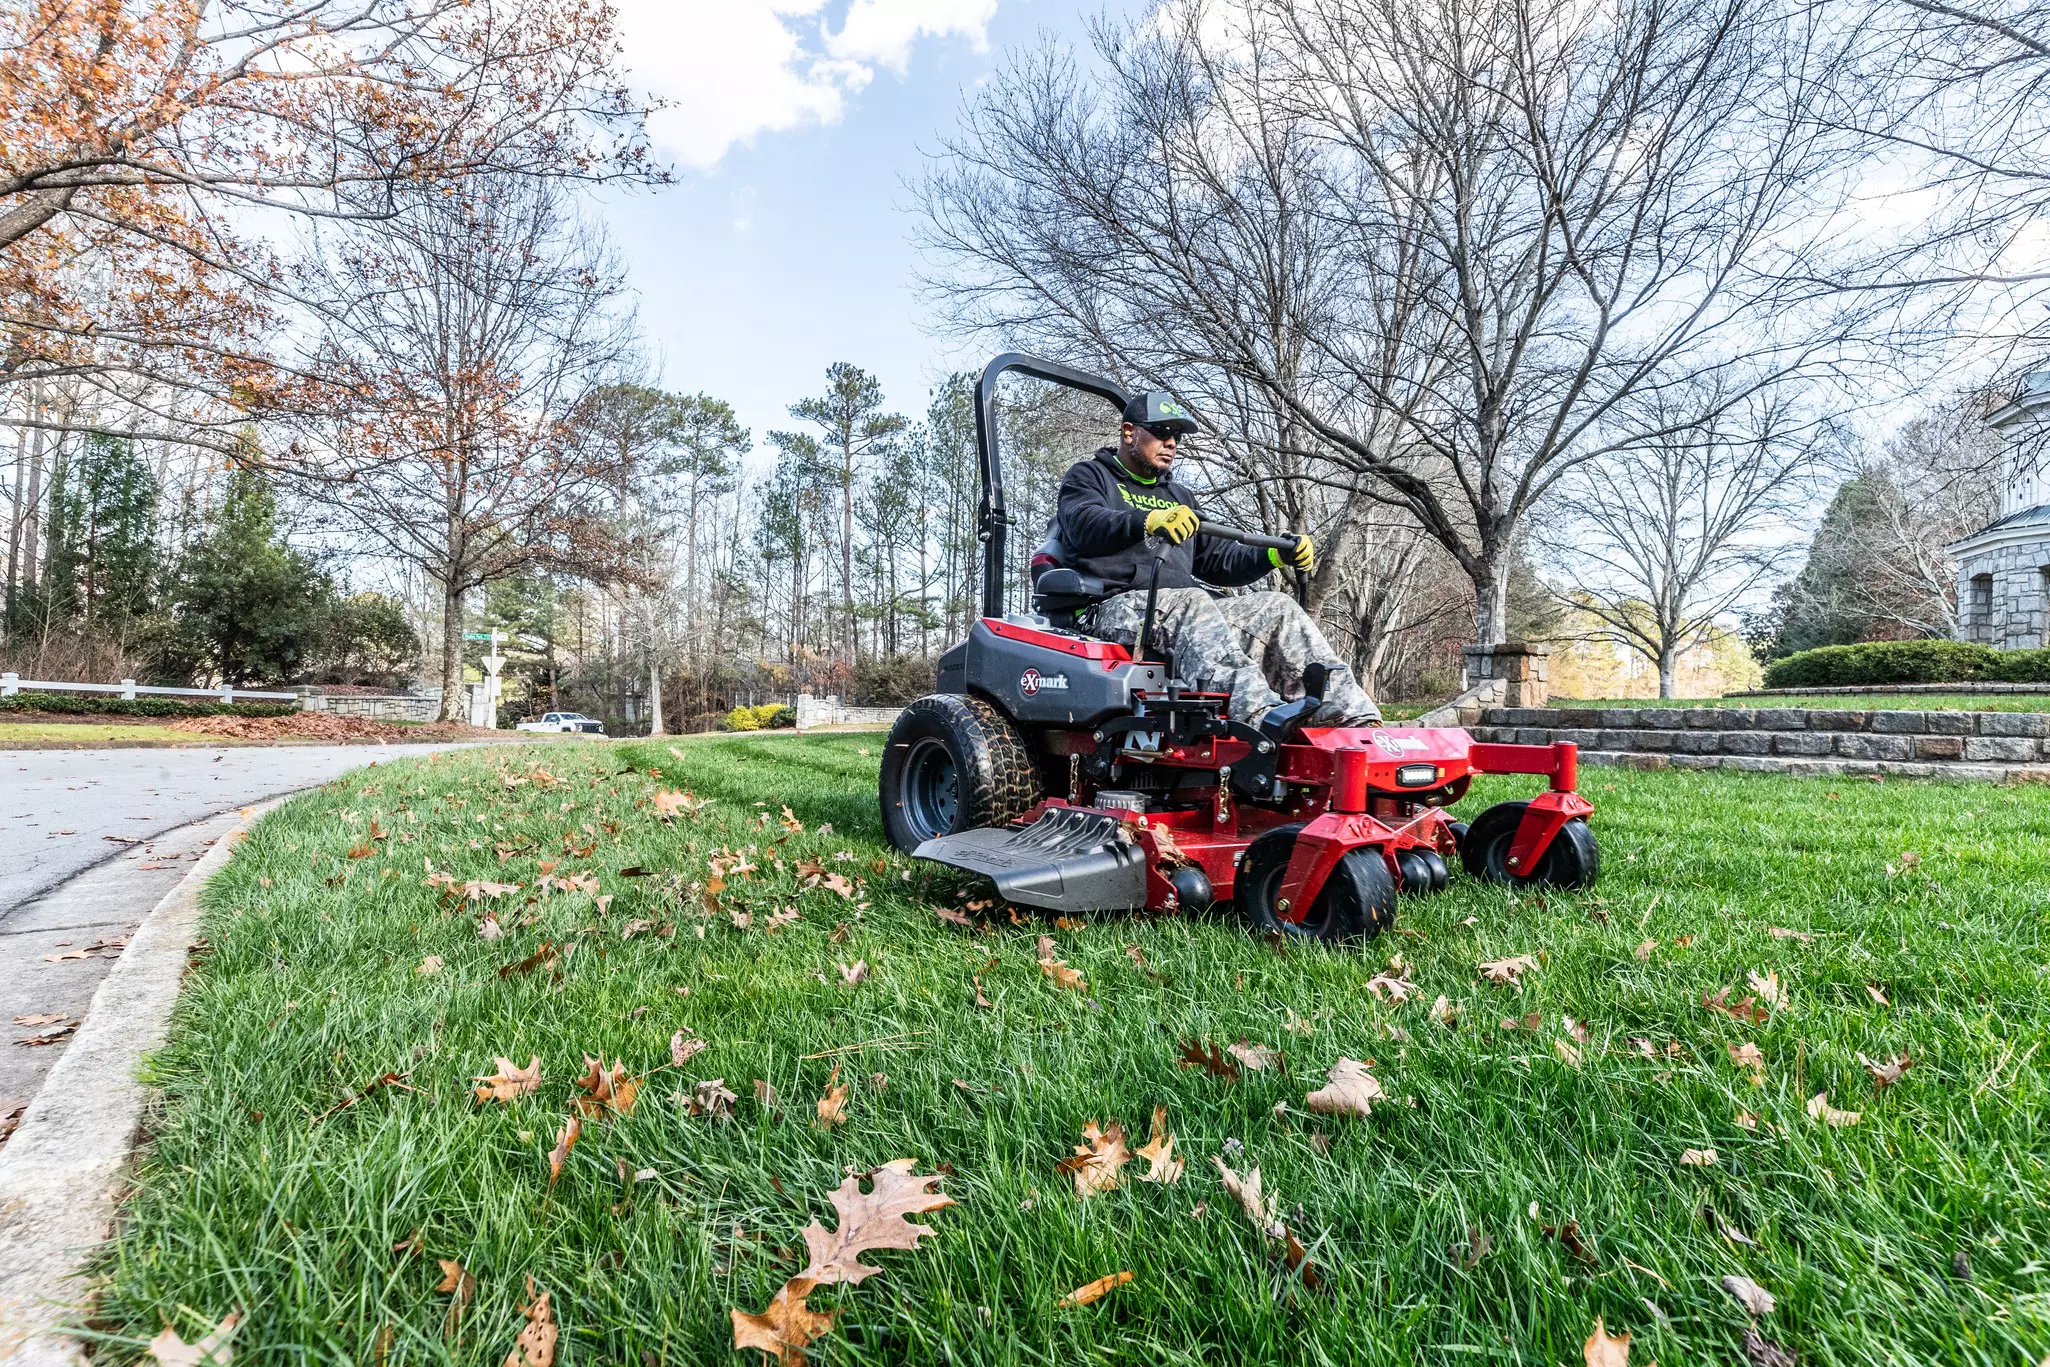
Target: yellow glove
{"x": 1303, "y": 557}
{"x": 1177, "y": 524}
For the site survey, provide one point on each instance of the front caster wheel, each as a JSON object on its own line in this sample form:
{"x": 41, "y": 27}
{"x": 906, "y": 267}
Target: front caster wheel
{"x": 1571, "y": 861}
{"x": 1356, "y": 902}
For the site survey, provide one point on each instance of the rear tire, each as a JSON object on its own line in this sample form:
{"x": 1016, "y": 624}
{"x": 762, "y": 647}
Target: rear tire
{"x": 954, "y": 763}
{"x": 1356, "y": 902}
{"x": 1572, "y": 860}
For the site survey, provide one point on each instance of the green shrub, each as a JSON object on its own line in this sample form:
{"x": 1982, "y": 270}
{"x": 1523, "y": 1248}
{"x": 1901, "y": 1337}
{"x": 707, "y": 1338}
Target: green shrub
{"x": 1878, "y": 663}
{"x": 765, "y": 717}
{"x": 107, "y": 704}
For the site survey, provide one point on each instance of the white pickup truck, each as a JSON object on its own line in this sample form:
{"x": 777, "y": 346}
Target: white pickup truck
{"x": 569, "y": 723}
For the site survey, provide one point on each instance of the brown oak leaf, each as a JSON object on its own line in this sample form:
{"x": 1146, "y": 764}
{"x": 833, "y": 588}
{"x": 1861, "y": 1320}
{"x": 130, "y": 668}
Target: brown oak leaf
{"x": 535, "y": 1346}
{"x": 171, "y": 1351}
{"x": 1820, "y": 1109}
{"x": 1158, "y": 1151}
{"x": 1508, "y": 972}
{"x": 1886, "y": 1074}
{"x": 609, "y": 1089}
{"x": 1257, "y": 1058}
{"x": 1093, "y": 1292}
{"x": 457, "y": 1283}
{"x": 509, "y": 1083}
{"x": 1351, "y": 1090}
{"x": 682, "y": 1049}
{"x": 1099, "y": 1159}
{"x": 565, "y": 1140}
{"x": 832, "y": 1106}
{"x": 1601, "y": 1350}
{"x": 1196, "y": 1053}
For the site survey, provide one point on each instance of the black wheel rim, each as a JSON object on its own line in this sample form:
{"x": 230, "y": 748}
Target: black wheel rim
{"x": 932, "y": 789}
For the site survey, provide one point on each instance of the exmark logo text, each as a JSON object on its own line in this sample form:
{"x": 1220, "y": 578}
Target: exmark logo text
{"x": 1031, "y": 681}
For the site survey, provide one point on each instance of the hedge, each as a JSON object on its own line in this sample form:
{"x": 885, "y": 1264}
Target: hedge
{"x": 1907, "y": 662}
{"x": 107, "y": 704}
{"x": 766, "y": 717}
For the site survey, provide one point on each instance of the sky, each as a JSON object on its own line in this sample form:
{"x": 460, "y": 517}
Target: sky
{"x": 793, "y": 127}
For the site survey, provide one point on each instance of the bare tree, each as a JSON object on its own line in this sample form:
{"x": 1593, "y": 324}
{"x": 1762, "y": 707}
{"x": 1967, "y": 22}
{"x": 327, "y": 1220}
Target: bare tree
{"x": 462, "y": 334}
{"x": 1446, "y": 246}
{"x": 1664, "y": 539}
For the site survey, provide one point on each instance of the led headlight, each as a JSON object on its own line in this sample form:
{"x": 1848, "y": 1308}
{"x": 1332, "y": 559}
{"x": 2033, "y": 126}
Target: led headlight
{"x": 1416, "y": 775}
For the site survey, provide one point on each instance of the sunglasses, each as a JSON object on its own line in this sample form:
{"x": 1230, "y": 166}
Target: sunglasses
{"x": 1164, "y": 432}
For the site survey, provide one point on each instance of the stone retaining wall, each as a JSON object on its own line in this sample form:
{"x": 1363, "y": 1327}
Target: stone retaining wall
{"x": 1985, "y": 746}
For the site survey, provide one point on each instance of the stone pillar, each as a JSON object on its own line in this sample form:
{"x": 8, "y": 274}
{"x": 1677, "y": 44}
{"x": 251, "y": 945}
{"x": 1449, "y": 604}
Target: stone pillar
{"x": 1521, "y": 666}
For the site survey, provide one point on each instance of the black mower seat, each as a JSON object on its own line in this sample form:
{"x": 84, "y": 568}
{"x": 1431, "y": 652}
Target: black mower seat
{"x": 1059, "y": 593}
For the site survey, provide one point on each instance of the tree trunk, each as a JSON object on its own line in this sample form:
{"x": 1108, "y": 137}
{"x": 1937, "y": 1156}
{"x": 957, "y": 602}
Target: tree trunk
{"x": 452, "y": 654}
{"x": 847, "y": 551}
{"x": 655, "y": 698}
{"x": 1668, "y": 666}
{"x": 1491, "y": 601}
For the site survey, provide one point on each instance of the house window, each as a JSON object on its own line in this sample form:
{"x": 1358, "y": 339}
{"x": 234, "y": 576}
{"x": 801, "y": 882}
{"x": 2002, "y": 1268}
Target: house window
{"x": 1980, "y": 613}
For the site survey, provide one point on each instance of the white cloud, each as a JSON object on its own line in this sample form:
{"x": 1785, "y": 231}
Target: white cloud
{"x": 732, "y": 69}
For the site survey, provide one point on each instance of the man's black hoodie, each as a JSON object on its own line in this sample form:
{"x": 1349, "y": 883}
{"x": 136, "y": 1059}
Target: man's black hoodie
{"x": 1102, "y": 526}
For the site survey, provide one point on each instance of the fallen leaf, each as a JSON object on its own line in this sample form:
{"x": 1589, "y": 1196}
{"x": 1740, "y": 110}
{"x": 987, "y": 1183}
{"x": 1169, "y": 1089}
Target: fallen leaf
{"x": 1099, "y": 1160}
{"x": 1723, "y": 1227}
{"x": 1600, "y": 1350}
{"x": 1886, "y": 1074}
{"x": 832, "y": 1107}
{"x": 1697, "y": 1158}
{"x": 1644, "y": 950}
{"x": 953, "y": 918}
{"x": 1093, "y": 1292}
{"x": 1351, "y": 1090}
{"x": 546, "y": 954}
{"x": 1293, "y": 1023}
{"x": 1768, "y": 988}
{"x": 835, "y": 882}
{"x": 786, "y": 1328}
{"x": 712, "y": 1100}
{"x": 565, "y": 1140}
{"x": 609, "y": 1089}
{"x": 790, "y": 821}
{"x": 1569, "y": 1235}
{"x": 1746, "y": 1010}
{"x": 509, "y": 1083}
{"x": 1256, "y": 1057}
{"x": 535, "y": 1346}
{"x": 1782, "y": 933}
{"x": 1763, "y": 1352}
{"x": 1746, "y": 1121}
{"x": 429, "y": 965}
{"x": 1682, "y": 941}
{"x": 1877, "y": 994}
{"x": 1444, "y": 1013}
{"x": 1064, "y": 976}
{"x": 489, "y": 929}
{"x": 980, "y": 1000}
{"x": 459, "y": 1284}
{"x": 171, "y": 1351}
{"x": 1479, "y": 1243}
{"x": 1259, "y": 1207}
{"x": 1158, "y": 1151}
{"x": 1508, "y": 972}
{"x": 1391, "y": 987}
{"x": 1574, "y": 1028}
{"x": 854, "y": 975}
{"x": 1530, "y": 1022}
{"x": 683, "y": 1049}
{"x": 1748, "y": 1055}
{"x": 1205, "y": 1055}
{"x": 45, "y": 1018}
{"x": 669, "y": 806}
{"x": 48, "y": 1037}
{"x": 1568, "y": 1054}
{"x": 1749, "y": 1294}
{"x": 1820, "y": 1109}
{"x": 1069, "y": 923}
{"x": 765, "y": 1095}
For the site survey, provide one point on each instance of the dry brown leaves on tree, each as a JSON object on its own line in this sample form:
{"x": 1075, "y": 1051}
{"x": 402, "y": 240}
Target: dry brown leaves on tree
{"x": 509, "y": 1083}
{"x": 876, "y": 1219}
{"x": 171, "y": 1351}
{"x": 1099, "y": 1160}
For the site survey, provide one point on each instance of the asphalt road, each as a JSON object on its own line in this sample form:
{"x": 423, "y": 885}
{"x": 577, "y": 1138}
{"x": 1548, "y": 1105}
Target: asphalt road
{"x": 64, "y": 811}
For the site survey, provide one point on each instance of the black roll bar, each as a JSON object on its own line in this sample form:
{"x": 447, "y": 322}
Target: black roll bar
{"x": 993, "y": 521}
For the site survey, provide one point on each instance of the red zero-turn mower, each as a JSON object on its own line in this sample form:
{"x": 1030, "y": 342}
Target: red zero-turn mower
{"x": 1081, "y": 776}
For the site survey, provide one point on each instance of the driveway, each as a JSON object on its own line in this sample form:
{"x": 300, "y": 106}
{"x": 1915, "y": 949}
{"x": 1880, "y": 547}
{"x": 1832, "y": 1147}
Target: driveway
{"x": 63, "y": 811}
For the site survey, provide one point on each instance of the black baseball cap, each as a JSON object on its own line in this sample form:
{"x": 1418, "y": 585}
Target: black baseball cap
{"x": 1161, "y": 413}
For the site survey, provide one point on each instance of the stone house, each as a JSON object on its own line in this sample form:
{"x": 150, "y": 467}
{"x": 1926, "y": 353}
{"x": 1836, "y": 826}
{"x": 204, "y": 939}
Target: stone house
{"x": 2003, "y": 591}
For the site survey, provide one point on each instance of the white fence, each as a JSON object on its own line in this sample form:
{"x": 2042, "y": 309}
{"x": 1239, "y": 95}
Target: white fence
{"x": 129, "y": 690}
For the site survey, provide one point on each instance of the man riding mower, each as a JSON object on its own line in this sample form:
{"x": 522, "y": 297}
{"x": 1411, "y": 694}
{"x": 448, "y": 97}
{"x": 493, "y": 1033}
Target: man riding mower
{"x": 1120, "y": 748}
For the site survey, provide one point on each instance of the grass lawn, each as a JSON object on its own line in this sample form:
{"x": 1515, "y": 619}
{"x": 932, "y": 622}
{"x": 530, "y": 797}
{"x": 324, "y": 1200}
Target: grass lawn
{"x": 1918, "y": 1235}
{"x": 63, "y": 735}
{"x": 1860, "y": 702}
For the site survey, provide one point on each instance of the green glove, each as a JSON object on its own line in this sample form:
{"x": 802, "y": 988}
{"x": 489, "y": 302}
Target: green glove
{"x": 1303, "y": 557}
{"x": 1177, "y": 524}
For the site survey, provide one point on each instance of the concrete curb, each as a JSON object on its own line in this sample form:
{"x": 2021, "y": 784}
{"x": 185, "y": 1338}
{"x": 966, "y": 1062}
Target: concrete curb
{"x": 64, "y": 1171}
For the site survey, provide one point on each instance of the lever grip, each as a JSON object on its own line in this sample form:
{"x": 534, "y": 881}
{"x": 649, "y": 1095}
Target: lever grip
{"x": 1272, "y": 543}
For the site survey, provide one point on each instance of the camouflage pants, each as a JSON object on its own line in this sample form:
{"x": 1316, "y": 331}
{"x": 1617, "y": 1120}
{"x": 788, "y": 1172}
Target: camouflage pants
{"x": 1253, "y": 646}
